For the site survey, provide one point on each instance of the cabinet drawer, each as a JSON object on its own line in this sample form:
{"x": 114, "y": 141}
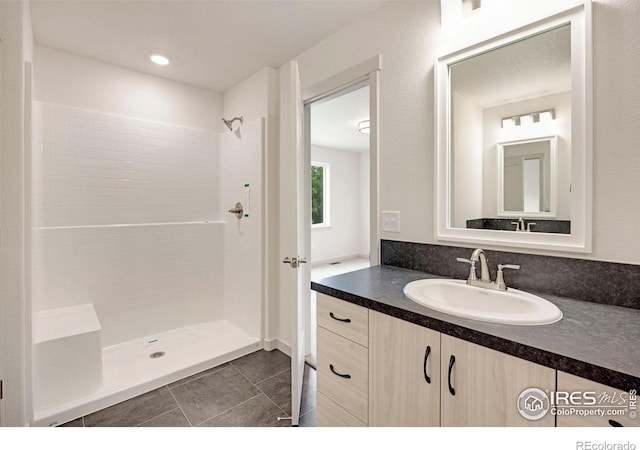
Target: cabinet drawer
{"x": 329, "y": 414}
{"x": 618, "y": 398}
{"x": 344, "y": 318}
{"x": 339, "y": 356}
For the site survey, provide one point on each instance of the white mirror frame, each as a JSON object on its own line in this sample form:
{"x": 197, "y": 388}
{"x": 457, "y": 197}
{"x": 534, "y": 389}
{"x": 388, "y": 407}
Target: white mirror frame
{"x": 553, "y": 182}
{"x": 581, "y": 139}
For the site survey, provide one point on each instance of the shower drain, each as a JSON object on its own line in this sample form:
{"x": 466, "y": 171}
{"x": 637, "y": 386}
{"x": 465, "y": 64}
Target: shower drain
{"x": 155, "y": 355}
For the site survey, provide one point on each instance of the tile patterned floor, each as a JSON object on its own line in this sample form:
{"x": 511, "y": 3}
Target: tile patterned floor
{"x": 252, "y": 391}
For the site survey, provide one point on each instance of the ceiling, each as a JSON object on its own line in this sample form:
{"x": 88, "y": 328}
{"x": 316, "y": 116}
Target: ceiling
{"x": 334, "y": 123}
{"x": 536, "y": 66}
{"x": 212, "y": 44}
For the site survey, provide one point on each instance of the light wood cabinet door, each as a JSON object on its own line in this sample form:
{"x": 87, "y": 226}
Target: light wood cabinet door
{"x": 487, "y": 385}
{"x": 608, "y": 400}
{"x": 404, "y": 373}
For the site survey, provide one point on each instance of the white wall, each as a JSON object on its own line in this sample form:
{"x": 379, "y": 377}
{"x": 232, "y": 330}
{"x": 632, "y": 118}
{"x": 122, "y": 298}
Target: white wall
{"x": 408, "y": 47}
{"x": 96, "y": 172}
{"x": 241, "y": 163}
{"x": 102, "y": 169}
{"x": 502, "y": 15}
{"x": 616, "y": 164}
{"x": 561, "y": 127}
{"x": 343, "y": 237}
{"x": 66, "y": 79}
{"x": 365, "y": 207}
{"x": 255, "y": 98}
{"x": 16, "y": 49}
{"x": 467, "y": 161}
{"x": 406, "y": 132}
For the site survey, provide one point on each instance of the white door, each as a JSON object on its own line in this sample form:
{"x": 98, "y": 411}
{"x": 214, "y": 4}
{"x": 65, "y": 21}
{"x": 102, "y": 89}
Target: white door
{"x": 294, "y": 223}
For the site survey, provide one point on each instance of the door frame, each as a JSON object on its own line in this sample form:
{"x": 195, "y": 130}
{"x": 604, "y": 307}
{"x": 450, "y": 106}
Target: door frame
{"x": 364, "y": 73}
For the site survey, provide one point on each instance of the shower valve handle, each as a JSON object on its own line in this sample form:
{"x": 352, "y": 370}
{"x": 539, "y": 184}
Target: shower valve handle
{"x": 238, "y": 210}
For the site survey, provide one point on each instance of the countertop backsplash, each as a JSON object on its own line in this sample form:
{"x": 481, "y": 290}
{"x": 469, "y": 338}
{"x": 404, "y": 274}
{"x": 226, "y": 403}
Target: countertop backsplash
{"x": 594, "y": 281}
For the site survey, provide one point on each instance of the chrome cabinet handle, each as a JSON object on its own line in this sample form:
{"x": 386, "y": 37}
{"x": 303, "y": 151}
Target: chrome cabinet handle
{"x": 427, "y": 378}
{"x": 343, "y": 375}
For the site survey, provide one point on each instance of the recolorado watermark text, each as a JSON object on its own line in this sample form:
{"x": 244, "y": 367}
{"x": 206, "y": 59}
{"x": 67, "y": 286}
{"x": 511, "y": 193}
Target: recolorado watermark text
{"x": 588, "y": 445}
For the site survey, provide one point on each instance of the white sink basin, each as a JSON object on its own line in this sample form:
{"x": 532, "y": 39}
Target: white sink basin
{"x": 457, "y": 298}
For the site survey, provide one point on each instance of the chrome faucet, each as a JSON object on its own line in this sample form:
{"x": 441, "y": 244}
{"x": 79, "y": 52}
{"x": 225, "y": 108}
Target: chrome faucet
{"x": 485, "y": 276}
{"x": 519, "y": 225}
{"x": 478, "y": 255}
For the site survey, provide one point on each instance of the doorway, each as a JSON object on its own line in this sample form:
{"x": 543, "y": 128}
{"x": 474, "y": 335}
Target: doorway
{"x": 340, "y": 178}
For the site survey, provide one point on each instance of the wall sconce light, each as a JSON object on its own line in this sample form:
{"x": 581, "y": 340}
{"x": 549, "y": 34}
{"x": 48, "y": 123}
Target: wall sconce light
{"x": 529, "y": 118}
{"x": 364, "y": 126}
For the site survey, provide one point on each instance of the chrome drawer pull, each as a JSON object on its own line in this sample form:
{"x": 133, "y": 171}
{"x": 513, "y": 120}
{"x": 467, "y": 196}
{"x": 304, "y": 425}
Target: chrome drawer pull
{"x": 343, "y": 375}
{"x": 339, "y": 319}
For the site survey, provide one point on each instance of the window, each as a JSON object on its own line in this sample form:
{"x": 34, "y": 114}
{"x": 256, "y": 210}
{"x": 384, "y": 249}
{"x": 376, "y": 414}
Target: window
{"x": 319, "y": 194}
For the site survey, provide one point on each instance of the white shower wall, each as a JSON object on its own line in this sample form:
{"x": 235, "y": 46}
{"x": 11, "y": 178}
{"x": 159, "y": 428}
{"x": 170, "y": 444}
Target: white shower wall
{"x": 126, "y": 216}
{"x": 241, "y": 162}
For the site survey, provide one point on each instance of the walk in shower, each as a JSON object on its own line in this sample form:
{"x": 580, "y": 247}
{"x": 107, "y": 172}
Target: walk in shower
{"x": 140, "y": 275}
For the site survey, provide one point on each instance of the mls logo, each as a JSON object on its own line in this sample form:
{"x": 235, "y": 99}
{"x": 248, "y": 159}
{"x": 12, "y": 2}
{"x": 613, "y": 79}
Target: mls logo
{"x": 533, "y": 404}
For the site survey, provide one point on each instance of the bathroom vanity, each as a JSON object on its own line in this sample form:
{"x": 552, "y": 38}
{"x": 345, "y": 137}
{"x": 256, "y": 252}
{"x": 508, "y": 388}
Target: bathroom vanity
{"x": 384, "y": 360}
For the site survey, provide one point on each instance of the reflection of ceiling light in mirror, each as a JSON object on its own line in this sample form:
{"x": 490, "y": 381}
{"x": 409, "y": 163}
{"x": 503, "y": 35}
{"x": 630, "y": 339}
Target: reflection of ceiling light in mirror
{"x": 364, "y": 126}
{"x": 507, "y": 122}
{"x": 160, "y": 60}
{"x": 526, "y": 120}
{"x": 529, "y": 118}
{"x": 469, "y": 6}
{"x": 546, "y": 116}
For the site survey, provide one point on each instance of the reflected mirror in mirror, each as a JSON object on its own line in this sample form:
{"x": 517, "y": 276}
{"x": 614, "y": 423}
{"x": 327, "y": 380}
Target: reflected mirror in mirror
{"x": 526, "y": 177}
{"x": 510, "y": 136}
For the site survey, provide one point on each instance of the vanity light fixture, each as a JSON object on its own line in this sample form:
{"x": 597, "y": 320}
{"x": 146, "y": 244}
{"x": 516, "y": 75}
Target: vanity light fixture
{"x": 469, "y": 6}
{"x": 546, "y": 116}
{"x": 159, "y": 59}
{"x": 529, "y": 118}
{"x": 364, "y": 126}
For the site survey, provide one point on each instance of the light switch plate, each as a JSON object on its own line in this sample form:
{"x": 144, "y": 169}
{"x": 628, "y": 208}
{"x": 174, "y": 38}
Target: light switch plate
{"x": 391, "y": 221}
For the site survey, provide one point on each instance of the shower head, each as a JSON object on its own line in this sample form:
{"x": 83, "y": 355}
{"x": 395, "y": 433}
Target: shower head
{"x": 229, "y": 123}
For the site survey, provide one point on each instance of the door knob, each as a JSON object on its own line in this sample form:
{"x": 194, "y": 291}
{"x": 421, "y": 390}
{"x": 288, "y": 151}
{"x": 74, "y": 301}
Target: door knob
{"x": 295, "y": 261}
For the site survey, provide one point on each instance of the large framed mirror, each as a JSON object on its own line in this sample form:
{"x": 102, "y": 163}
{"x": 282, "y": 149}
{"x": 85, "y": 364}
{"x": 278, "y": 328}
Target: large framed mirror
{"x": 513, "y": 126}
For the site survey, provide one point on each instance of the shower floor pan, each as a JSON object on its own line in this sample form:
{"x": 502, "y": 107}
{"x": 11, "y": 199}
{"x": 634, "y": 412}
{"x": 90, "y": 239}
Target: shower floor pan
{"x": 129, "y": 369}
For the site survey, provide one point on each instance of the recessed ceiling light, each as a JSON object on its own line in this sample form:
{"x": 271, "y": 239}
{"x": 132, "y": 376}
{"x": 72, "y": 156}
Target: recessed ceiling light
{"x": 160, "y": 60}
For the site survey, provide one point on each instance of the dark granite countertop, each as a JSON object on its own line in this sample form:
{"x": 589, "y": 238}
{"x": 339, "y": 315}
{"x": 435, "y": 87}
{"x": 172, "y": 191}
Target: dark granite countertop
{"x": 593, "y": 341}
